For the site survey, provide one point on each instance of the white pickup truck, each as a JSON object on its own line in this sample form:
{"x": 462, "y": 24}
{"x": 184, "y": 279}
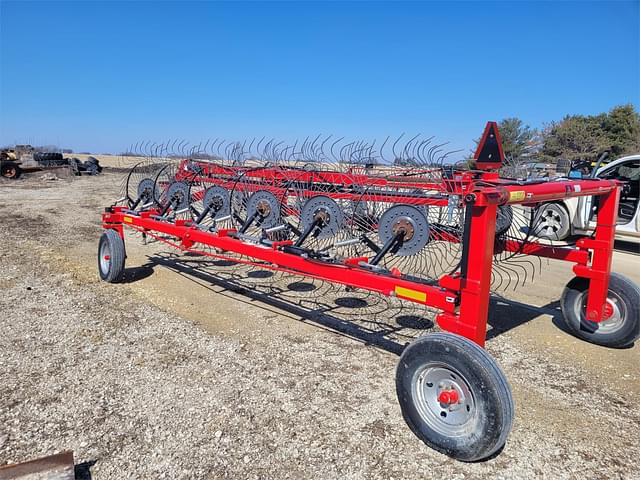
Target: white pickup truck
{"x": 561, "y": 219}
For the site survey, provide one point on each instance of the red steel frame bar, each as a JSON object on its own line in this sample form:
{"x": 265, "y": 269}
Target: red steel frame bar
{"x": 463, "y": 297}
{"x": 602, "y": 247}
{"x": 474, "y": 282}
{"x": 345, "y": 274}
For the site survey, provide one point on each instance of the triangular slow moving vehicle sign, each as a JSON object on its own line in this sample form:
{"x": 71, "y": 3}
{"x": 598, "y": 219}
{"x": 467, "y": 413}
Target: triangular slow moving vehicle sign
{"x": 489, "y": 154}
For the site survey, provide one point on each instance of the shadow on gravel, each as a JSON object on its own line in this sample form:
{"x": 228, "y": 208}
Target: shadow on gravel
{"x": 368, "y": 318}
{"x": 82, "y": 471}
{"x": 375, "y": 333}
{"x": 133, "y": 274}
{"x": 505, "y": 315}
{"x": 628, "y": 247}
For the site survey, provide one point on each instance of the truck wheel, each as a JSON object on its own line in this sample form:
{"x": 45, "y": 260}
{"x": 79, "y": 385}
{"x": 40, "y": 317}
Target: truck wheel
{"x": 504, "y": 219}
{"x": 454, "y": 396}
{"x": 111, "y": 256}
{"x": 10, "y": 170}
{"x": 620, "y": 329}
{"x": 552, "y": 221}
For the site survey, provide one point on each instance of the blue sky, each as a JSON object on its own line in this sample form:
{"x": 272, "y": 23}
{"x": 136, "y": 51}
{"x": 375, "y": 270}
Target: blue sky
{"x": 100, "y": 76}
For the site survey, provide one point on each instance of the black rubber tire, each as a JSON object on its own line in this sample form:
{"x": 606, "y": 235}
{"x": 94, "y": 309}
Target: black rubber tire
{"x": 487, "y": 431}
{"x": 48, "y": 158}
{"x": 111, "y": 270}
{"x": 557, "y": 210}
{"x": 10, "y": 170}
{"x": 90, "y": 168}
{"x": 504, "y": 218}
{"x": 74, "y": 165}
{"x": 92, "y": 163}
{"x": 621, "y": 289}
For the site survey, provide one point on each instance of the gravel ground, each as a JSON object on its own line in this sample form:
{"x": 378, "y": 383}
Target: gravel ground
{"x": 158, "y": 378}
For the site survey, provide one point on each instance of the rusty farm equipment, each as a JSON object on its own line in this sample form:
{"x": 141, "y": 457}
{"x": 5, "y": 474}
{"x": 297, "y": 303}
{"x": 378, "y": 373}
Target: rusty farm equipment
{"x": 414, "y": 229}
{"x": 25, "y": 158}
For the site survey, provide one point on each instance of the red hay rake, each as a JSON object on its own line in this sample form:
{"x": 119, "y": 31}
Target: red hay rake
{"x": 428, "y": 234}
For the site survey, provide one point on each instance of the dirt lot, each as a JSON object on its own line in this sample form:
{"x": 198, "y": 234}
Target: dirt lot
{"x": 206, "y": 370}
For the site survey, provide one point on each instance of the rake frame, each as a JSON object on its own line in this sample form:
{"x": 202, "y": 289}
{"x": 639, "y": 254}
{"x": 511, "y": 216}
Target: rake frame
{"x": 461, "y": 297}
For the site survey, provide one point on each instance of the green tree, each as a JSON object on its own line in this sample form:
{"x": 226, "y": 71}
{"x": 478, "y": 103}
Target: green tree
{"x": 585, "y": 137}
{"x": 517, "y": 138}
{"x": 622, "y": 129}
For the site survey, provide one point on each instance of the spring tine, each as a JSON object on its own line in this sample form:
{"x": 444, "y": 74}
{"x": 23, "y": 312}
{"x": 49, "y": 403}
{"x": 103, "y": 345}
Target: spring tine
{"x": 276, "y": 152}
{"x": 322, "y": 157}
{"x": 212, "y": 149}
{"x": 384, "y": 144}
{"x": 215, "y": 148}
{"x": 258, "y": 147}
{"x": 393, "y": 147}
{"x": 250, "y": 148}
{"x": 335, "y": 143}
{"x": 408, "y": 147}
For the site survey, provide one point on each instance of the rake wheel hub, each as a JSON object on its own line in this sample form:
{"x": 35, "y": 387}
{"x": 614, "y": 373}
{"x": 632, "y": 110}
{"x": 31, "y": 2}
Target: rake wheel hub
{"x": 410, "y": 220}
{"x": 178, "y": 193}
{"x": 218, "y": 198}
{"x": 145, "y": 189}
{"x": 266, "y": 205}
{"x": 263, "y": 207}
{"x": 404, "y": 226}
{"x": 325, "y": 209}
{"x": 322, "y": 216}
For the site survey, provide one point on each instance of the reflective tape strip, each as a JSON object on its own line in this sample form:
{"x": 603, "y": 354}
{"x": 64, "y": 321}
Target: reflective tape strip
{"x": 411, "y": 294}
{"x": 517, "y": 195}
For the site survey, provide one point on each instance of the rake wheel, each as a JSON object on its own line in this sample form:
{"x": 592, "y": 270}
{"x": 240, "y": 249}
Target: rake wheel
{"x": 138, "y": 186}
{"x": 432, "y": 236}
{"x": 324, "y": 212}
{"x": 315, "y": 207}
{"x": 210, "y": 206}
{"x": 408, "y": 221}
{"x": 165, "y": 177}
{"x": 255, "y": 201}
{"x": 265, "y": 206}
{"x": 173, "y": 188}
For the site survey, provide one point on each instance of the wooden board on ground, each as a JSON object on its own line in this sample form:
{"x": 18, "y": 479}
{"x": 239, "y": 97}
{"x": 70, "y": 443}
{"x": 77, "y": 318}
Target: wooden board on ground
{"x": 54, "y": 467}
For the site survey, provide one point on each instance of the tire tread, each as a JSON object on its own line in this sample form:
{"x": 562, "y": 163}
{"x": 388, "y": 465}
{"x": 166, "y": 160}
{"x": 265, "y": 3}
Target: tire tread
{"x": 118, "y": 256}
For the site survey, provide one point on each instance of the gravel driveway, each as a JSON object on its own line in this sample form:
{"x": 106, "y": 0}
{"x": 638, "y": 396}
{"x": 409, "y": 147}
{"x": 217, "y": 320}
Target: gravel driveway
{"x": 201, "y": 371}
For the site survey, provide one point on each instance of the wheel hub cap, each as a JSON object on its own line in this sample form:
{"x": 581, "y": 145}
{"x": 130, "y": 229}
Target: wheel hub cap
{"x": 405, "y": 226}
{"x": 263, "y": 208}
{"x": 608, "y": 310}
{"x": 444, "y": 399}
{"x": 613, "y": 314}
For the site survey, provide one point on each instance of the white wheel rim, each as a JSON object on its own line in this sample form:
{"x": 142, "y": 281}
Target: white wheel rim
{"x": 551, "y": 222}
{"x": 105, "y": 257}
{"x": 449, "y": 419}
{"x": 611, "y": 324}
